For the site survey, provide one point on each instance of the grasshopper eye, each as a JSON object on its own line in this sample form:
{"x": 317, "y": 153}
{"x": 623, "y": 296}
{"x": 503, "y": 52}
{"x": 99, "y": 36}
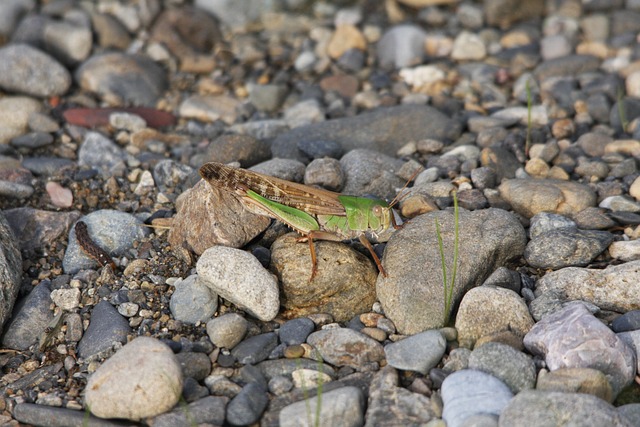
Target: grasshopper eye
{"x": 377, "y": 210}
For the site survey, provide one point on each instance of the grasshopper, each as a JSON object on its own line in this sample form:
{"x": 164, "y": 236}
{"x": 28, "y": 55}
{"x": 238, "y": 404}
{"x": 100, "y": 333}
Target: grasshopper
{"x": 315, "y": 213}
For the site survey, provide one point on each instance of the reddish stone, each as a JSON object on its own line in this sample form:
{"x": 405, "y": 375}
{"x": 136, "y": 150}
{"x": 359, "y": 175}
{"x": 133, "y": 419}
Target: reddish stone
{"x": 94, "y": 117}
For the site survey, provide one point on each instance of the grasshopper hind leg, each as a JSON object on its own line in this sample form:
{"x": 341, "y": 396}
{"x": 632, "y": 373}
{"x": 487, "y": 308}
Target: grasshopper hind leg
{"x": 322, "y": 235}
{"x": 310, "y": 237}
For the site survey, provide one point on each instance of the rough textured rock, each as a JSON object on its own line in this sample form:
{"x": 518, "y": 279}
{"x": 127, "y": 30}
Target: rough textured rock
{"x": 210, "y": 216}
{"x": 535, "y": 408}
{"x": 488, "y": 240}
{"x": 390, "y": 404}
{"x": 575, "y": 338}
{"x": 344, "y": 285}
{"x": 487, "y": 310}
{"x": 10, "y": 270}
{"x": 615, "y": 288}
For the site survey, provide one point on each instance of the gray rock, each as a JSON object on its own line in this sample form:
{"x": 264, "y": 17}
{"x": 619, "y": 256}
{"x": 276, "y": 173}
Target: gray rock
{"x": 304, "y": 113}
{"x": 245, "y": 149}
{"x": 630, "y": 321}
{"x": 192, "y": 301}
{"x": 576, "y": 380}
{"x": 343, "y": 286}
{"x": 468, "y": 392}
{"x": 15, "y": 190}
{"x": 566, "y": 248}
{"x": 513, "y": 367}
{"x": 390, "y": 404}
{"x": 534, "y": 408}
{"x": 194, "y": 365}
{"x": 419, "y": 352}
{"x": 620, "y": 204}
{"x": 255, "y": 349}
{"x": 31, "y": 318}
{"x": 10, "y": 269}
{"x": 171, "y": 175}
{"x": 342, "y": 407}
{"x": 401, "y": 46}
{"x": 106, "y": 329}
{"x": 296, "y": 331}
{"x": 615, "y": 288}
{"x": 591, "y": 345}
{"x": 346, "y": 347}
{"x": 320, "y": 148}
{"x": 544, "y": 222}
{"x": 209, "y": 108}
{"x": 371, "y": 173}
{"x": 143, "y": 379}
{"x": 504, "y": 278}
{"x": 532, "y": 196}
{"x": 99, "y": 152}
{"x": 25, "y": 69}
{"x": 593, "y": 218}
{"x": 121, "y": 78}
{"x": 209, "y": 216}
{"x": 37, "y": 414}
{"x": 247, "y": 407}
{"x": 267, "y": 97}
{"x": 287, "y": 169}
{"x": 285, "y": 367}
{"x": 570, "y": 65}
{"x": 112, "y": 230}
{"x": 234, "y": 14}
{"x": 326, "y": 173}
{"x": 47, "y": 165}
{"x": 238, "y": 277}
{"x": 385, "y": 130}
{"x": 14, "y": 116}
{"x": 227, "y": 330}
{"x": 208, "y": 410}
{"x": 502, "y": 161}
{"x": 488, "y": 239}
{"x": 487, "y": 310}
{"x": 631, "y": 411}
{"x": 11, "y": 12}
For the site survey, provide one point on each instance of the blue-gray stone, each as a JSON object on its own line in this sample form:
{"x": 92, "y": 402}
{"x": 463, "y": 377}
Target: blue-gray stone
{"x": 255, "y": 349}
{"x": 296, "y": 331}
{"x": 31, "y": 318}
{"x": 248, "y": 405}
{"x": 107, "y": 327}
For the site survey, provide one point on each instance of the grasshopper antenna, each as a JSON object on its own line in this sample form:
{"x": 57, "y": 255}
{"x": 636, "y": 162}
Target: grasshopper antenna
{"x": 399, "y": 195}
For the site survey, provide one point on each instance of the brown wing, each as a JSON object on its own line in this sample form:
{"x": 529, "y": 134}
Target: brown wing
{"x": 312, "y": 200}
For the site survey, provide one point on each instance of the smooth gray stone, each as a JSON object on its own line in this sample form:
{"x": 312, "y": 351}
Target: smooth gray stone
{"x": 208, "y": 410}
{"x": 296, "y": 331}
{"x": 49, "y": 416}
{"x": 31, "y": 318}
{"x": 419, "y": 352}
{"x": 384, "y": 130}
{"x": 469, "y": 392}
{"x": 107, "y": 327}
{"x": 255, "y": 349}
{"x": 247, "y": 407}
